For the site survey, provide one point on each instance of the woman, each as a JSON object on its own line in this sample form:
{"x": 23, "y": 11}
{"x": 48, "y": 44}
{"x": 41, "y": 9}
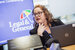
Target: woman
{"x": 42, "y": 22}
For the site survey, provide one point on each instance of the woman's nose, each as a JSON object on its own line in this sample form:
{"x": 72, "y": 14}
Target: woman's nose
{"x": 37, "y": 15}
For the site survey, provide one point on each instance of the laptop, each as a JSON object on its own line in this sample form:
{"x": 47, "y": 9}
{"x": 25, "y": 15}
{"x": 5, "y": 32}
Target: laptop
{"x": 65, "y": 34}
{"x": 25, "y": 43}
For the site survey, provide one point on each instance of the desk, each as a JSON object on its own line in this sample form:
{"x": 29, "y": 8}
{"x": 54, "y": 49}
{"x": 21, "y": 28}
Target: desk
{"x": 71, "y": 47}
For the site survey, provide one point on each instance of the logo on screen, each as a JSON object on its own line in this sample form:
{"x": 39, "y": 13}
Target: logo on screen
{"x": 25, "y": 13}
{"x": 25, "y": 22}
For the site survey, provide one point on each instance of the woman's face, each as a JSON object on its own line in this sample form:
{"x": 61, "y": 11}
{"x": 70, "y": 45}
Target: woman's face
{"x": 39, "y": 15}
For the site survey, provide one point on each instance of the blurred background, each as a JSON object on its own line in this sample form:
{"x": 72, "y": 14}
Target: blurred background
{"x": 62, "y": 9}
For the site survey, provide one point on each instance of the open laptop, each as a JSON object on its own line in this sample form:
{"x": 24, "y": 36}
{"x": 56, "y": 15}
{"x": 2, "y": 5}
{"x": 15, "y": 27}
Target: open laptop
{"x": 64, "y": 33}
{"x": 25, "y": 43}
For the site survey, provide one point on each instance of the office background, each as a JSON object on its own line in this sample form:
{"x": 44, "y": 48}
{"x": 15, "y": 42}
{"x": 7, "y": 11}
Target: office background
{"x": 63, "y": 9}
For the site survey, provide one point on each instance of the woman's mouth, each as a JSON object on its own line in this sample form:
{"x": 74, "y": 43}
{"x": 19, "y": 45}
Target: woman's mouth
{"x": 38, "y": 19}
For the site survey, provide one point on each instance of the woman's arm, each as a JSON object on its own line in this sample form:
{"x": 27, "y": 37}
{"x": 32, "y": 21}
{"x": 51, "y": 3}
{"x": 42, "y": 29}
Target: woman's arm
{"x": 33, "y": 31}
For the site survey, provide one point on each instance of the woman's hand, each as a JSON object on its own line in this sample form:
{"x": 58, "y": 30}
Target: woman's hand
{"x": 41, "y": 29}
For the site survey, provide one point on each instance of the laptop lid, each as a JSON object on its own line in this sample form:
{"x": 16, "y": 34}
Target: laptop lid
{"x": 25, "y": 43}
{"x": 65, "y": 34}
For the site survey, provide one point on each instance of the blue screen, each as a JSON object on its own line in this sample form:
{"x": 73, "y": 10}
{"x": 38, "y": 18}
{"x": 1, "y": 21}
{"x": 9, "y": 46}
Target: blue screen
{"x": 16, "y": 19}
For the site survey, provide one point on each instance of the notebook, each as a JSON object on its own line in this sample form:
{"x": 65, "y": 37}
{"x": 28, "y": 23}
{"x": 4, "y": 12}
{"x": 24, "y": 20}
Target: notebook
{"x": 64, "y": 33}
{"x": 25, "y": 43}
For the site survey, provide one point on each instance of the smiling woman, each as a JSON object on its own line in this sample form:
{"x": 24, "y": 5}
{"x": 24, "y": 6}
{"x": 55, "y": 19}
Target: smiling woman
{"x": 42, "y": 22}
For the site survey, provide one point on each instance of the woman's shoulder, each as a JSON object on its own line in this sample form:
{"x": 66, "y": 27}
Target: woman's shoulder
{"x": 56, "y": 22}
